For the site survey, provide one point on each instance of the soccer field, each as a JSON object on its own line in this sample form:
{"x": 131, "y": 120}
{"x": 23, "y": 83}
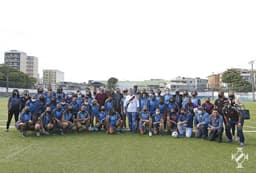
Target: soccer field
{"x": 98, "y": 152}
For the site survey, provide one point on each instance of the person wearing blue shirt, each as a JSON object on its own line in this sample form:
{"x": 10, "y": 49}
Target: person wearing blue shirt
{"x": 25, "y": 122}
{"x": 167, "y": 96}
{"x": 75, "y": 106}
{"x": 185, "y": 123}
{"x": 195, "y": 99}
{"x": 215, "y": 126}
{"x": 109, "y": 104}
{"x": 145, "y": 121}
{"x": 201, "y": 123}
{"x": 158, "y": 122}
{"x": 83, "y": 119}
{"x": 172, "y": 105}
{"x": 152, "y": 104}
{"x": 80, "y": 99}
{"x": 101, "y": 119}
{"x": 95, "y": 107}
{"x": 113, "y": 122}
{"x": 172, "y": 119}
{"x": 185, "y": 98}
{"x": 67, "y": 119}
{"x": 14, "y": 104}
{"x": 40, "y": 107}
{"x": 57, "y": 114}
{"x": 143, "y": 101}
{"x": 178, "y": 98}
{"x": 46, "y": 121}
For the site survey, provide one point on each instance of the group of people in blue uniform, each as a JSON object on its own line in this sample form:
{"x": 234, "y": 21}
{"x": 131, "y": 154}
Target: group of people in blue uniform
{"x": 154, "y": 112}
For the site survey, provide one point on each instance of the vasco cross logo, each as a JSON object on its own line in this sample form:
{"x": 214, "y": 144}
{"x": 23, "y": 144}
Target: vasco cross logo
{"x": 239, "y": 157}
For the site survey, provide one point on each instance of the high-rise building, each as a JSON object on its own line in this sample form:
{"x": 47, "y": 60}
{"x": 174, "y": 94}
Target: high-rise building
{"x": 52, "y": 77}
{"x": 22, "y": 62}
{"x": 32, "y": 66}
{"x": 16, "y": 59}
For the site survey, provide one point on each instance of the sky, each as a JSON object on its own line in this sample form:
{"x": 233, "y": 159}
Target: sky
{"x": 131, "y": 39}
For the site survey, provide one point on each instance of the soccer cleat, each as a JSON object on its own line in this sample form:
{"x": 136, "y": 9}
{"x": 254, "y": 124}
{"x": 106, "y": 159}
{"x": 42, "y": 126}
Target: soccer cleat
{"x": 150, "y": 133}
{"x": 241, "y": 144}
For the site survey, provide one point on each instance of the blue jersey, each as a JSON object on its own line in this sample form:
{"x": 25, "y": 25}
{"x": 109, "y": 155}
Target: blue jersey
{"x": 102, "y": 115}
{"x": 82, "y": 115}
{"x": 57, "y": 114}
{"x": 162, "y": 107}
{"x": 157, "y": 118}
{"x": 201, "y": 118}
{"x": 64, "y": 106}
{"x": 144, "y": 102}
{"x": 113, "y": 119}
{"x": 167, "y": 98}
{"x": 80, "y": 101}
{"x": 188, "y": 118}
{"x": 36, "y": 107}
{"x": 48, "y": 100}
{"x": 196, "y": 101}
{"x": 47, "y": 118}
{"x": 215, "y": 121}
{"x": 184, "y": 102}
{"x": 75, "y": 107}
{"x": 52, "y": 106}
{"x": 40, "y": 108}
{"x": 87, "y": 107}
{"x": 108, "y": 105}
{"x": 25, "y": 116}
{"x": 144, "y": 116}
{"x": 95, "y": 110}
{"x": 68, "y": 116}
{"x": 14, "y": 103}
{"x": 172, "y": 106}
{"x": 152, "y": 105}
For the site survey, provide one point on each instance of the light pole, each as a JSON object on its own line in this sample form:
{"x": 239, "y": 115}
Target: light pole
{"x": 253, "y": 80}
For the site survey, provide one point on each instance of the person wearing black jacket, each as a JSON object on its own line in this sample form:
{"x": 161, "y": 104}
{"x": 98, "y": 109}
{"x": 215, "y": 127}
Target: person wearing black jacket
{"x": 14, "y": 104}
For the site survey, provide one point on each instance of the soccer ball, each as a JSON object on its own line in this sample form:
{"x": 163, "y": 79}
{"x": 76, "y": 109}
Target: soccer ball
{"x": 175, "y": 134}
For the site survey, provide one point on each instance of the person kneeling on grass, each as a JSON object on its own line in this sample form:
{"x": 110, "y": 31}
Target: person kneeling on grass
{"x": 83, "y": 119}
{"x": 145, "y": 121}
{"x": 25, "y": 122}
{"x": 113, "y": 121}
{"x": 171, "y": 123}
{"x": 46, "y": 121}
{"x": 57, "y": 116}
{"x": 201, "y": 123}
{"x": 67, "y": 119}
{"x": 158, "y": 122}
{"x": 215, "y": 126}
{"x": 185, "y": 123}
{"x": 101, "y": 119}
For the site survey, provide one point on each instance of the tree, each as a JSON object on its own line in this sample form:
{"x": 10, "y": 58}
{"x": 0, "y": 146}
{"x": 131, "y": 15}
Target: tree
{"x": 16, "y": 79}
{"x": 235, "y": 82}
{"x": 111, "y": 83}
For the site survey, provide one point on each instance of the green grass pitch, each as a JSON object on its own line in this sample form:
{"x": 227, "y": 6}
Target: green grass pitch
{"x": 98, "y": 152}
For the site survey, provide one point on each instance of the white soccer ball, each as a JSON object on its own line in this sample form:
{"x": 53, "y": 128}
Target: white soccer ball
{"x": 175, "y": 134}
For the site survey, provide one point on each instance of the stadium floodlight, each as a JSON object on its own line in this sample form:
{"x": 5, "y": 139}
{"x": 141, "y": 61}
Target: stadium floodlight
{"x": 252, "y": 79}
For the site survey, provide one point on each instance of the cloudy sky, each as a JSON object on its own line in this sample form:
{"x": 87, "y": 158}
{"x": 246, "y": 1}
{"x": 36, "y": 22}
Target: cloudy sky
{"x": 131, "y": 39}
